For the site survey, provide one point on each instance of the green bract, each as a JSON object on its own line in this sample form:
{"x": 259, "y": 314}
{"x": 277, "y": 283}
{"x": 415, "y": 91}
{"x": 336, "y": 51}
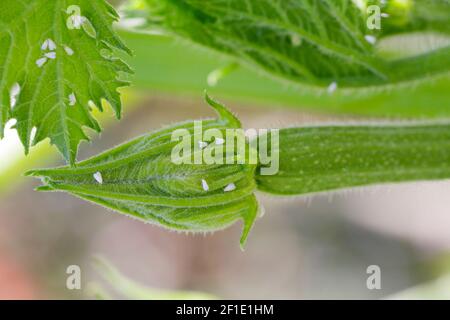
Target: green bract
{"x": 139, "y": 178}
{"x": 56, "y": 62}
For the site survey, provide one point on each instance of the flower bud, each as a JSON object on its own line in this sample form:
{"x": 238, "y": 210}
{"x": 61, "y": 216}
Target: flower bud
{"x": 157, "y": 177}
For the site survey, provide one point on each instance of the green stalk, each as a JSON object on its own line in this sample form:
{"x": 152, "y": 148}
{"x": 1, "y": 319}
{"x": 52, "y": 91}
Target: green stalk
{"x": 317, "y": 159}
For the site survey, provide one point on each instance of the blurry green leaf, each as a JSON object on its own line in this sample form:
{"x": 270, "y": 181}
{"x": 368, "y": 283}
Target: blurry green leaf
{"x": 417, "y": 15}
{"x": 55, "y": 60}
{"x": 438, "y": 289}
{"x": 174, "y": 67}
{"x": 132, "y": 290}
{"x": 313, "y": 42}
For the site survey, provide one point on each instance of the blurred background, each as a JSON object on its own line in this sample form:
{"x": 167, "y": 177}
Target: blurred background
{"x": 315, "y": 247}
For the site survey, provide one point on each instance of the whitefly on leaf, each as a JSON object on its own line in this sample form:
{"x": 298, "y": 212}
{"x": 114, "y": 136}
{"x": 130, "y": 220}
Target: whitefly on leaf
{"x": 139, "y": 179}
{"x": 50, "y": 69}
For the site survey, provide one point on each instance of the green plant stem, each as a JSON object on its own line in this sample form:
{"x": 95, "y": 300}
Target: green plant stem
{"x": 316, "y": 159}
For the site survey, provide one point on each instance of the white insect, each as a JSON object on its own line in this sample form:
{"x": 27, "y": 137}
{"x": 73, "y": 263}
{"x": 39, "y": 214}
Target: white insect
{"x": 202, "y": 144}
{"x": 332, "y": 87}
{"x": 48, "y": 44}
{"x": 230, "y": 187}
{"x": 370, "y": 39}
{"x": 14, "y": 93}
{"x": 44, "y": 45}
{"x": 51, "y": 44}
{"x": 40, "y": 62}
{"x": 68, "y": 50}
{"x": 385, "y": 15}
{"x": 205, "y": 185}
{"x": 77, "y": 21}
{"x": 51, "y": 55}
{"x": 219, "y": 141}
{"x": 15, "y": 89}
{"x": 98, "y": 177}
{"x": 72, "y": 99}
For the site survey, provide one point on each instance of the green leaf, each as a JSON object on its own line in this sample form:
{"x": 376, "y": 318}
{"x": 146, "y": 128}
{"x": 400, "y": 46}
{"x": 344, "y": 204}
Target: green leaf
{"x": 318, "y": 159}
{"x": 177, "y": 68}
{"x": 140, "y": 179}
{"x": 310, "y": 42}
{"x": 56, "y": 62}
{"x": 130, "y": 289}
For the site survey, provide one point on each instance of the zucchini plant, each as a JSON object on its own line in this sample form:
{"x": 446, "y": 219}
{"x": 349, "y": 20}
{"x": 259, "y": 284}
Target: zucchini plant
{"x": 58, "y": 61}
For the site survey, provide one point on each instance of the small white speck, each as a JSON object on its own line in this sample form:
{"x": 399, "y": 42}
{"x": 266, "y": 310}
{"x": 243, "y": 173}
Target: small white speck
{"x": 205, "y": 185}
{"x": 68, "y": 50}
{"x": 14, "y": 93}
{"x": 40, "y": 62}
{"x": 296, "y": 40}
{"x": 202, "y": 144}
{"x": 212, "y": 79}
{"x": 332, "y": 87}
{"x": 98, "y": 177}
{"x": 15, "y": 89}
{"x": 370, "y": 39}
{"x": 13, "y": 101}
{"x": 44, "y": 45}
{"x": 51, "y": 55}
{"x": 51, "y": 44}
{"x": 77, "y": 21}
{"x": 72, "y": 99}
{"x": 32, "y": 135}
{"x": 230, "y": 187}
{"x": 385, "y": 15}
{"x": 219, "y": 141}
{"x": 48, "y": 44}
